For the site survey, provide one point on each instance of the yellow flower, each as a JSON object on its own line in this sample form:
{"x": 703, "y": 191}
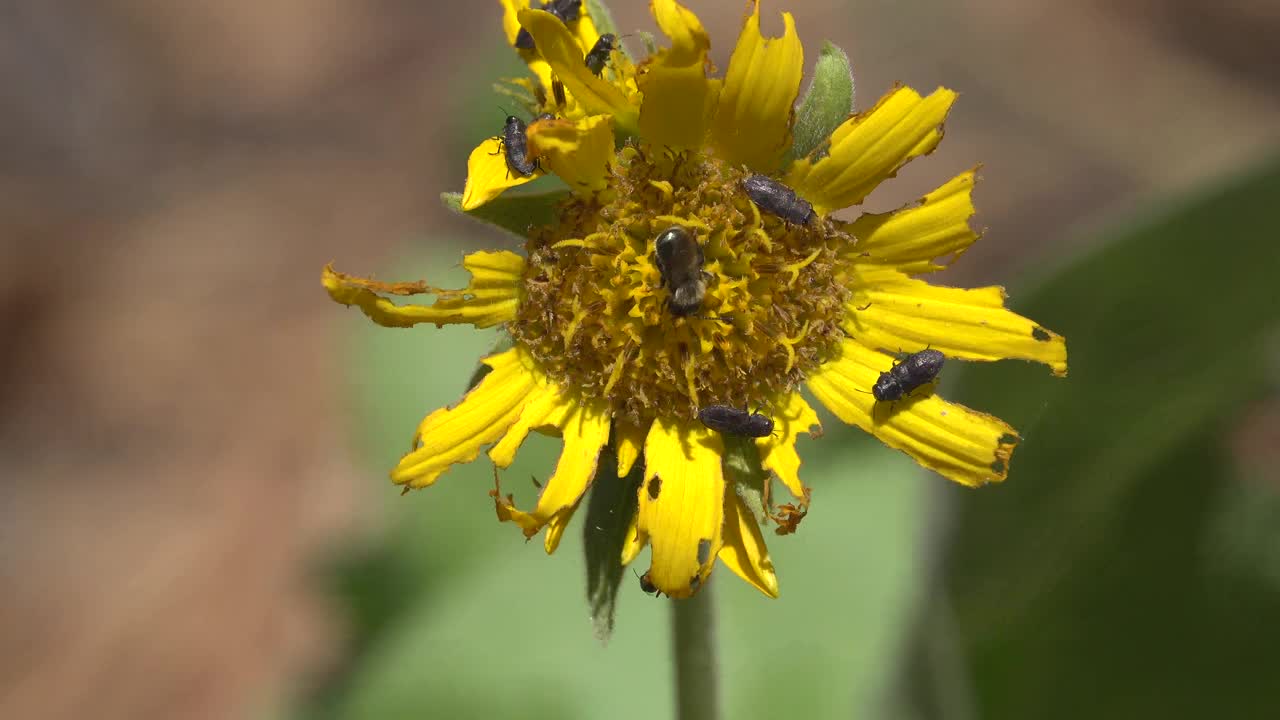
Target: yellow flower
{"x": 600, "y": 357}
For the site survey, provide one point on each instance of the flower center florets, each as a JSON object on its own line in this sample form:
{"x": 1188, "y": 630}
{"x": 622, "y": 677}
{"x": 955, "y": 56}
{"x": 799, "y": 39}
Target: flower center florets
{"x": 597, "y": 312}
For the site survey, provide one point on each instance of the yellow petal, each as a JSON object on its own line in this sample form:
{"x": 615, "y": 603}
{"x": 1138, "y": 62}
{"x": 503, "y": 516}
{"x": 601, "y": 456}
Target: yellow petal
{"x": 791, "y": 417}
{"x": 556, "y": 525}
{"x": 488, "y": 175}
{"x": 677, "y": 104}
{"x": 679, "y": 98}
{"x": 491, "y": 297}
{"x": 897, "y": 313}
{"x": 635, "y": 541}
{"x": 585, "y": 430}
{"x": 511, "y": 28}
{"x": 561, "y": 49}
{"x": 511, "y": 20}
{"x": 583, "y": 30}
{"x": 958, "y": 443}
{"x": 681, "y": 504}
{"x": 455, "y": 435}
{"x": 579, "y": 153}
{"x": 870, "y": 148}
{"x": 753, "y": 121}
{"x": 543, "y": 407}
{"x": 628, "y": 440}
{"x": 689, "y": 41}
{"x": 912, "y": 238}
{"x": 744, "y": 551}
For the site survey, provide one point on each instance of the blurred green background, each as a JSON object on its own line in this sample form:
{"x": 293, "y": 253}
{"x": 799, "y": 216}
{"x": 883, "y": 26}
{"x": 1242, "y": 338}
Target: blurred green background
{"x": 196, "y": 522}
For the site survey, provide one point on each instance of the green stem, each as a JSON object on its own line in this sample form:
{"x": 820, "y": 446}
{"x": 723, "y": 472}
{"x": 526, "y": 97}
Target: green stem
{"x": 693, "y": 632}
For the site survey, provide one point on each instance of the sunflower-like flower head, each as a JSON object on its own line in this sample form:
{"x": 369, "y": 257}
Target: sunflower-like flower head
{"x": 784, "y": 297}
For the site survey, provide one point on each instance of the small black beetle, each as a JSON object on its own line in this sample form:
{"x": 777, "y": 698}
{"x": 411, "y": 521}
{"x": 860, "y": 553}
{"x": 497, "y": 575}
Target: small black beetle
{"x": 907, "y": 375}
{"x": 566, "y": 10}
{"x": 514, "y": 142}
{"x": 732, "y": 421}
{"x": 598, "y": 55}
{"x": 778, "y": 199}
{"x": 647, "y": 586}
{"x": 679, "y": 259}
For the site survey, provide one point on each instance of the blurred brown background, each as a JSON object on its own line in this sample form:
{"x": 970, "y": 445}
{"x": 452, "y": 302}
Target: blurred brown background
{"x": 175, "y": 175}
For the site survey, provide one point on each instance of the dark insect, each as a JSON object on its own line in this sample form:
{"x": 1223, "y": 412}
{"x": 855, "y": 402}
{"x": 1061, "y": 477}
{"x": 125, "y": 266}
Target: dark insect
{"x": 514, "y": 142}
{"x": 598, "y": 56}
{"x": 907, "y": 375}
{"x": 732, "y": 421}
{"x": 647, "y": 586}
{"x": 566, "y": 10}
{"x": 680, "y": 261}
{"x": 775, "y": 198}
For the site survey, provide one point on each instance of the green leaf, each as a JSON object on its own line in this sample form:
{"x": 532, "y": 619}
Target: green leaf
{"x": 848, "y": 578}
{"x": 612, "y": 504}
{"x": 515, "y": 213}
{"x": 519, "y": 94}
{"x": 1085, "y": 586}
{"x": 601, "y": 16}
{"x": 649, "y": 42}
{"x": 826, "y": 104}
{"x": 743, "y": 468}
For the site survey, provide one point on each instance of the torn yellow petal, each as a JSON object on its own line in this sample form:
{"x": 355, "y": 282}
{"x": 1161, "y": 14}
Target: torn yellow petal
{"x": 689, "y": 41}
{"x": 791, "y": 417}
{"x": 544, "y": 406}
{"x": 491, "y": 297}
{"x": 578, "y": 152}
{"x": 561, "y": 49}
{"x": 679, "y": 98}
{"x": 455, "y": 435}
{"x": 678, "y": 101}
{"x": 913, "y": 238}
{"x": 681, "y": 504}
{"x": 584, "y": 429}
{"x": 958, "y": 443}
{"x": 744, "y": 551}
{"x": 530, "y": 522}
{"x": 870, "y": 148}
{"x": 895, "y": 312}
{"x": 753, "y": 122}
{"x": 556, "y": 525}
{"x": 585, "y": 432}
{"x": 488, "y": 175}
{"x": 628, "y": 440}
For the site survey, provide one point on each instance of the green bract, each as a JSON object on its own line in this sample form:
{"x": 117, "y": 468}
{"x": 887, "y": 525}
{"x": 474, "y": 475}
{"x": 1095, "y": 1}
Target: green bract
{"x": 827, "y": 103}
